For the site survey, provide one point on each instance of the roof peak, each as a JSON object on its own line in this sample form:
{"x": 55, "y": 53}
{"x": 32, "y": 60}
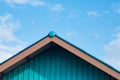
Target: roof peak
{"x": 51, "y": 34}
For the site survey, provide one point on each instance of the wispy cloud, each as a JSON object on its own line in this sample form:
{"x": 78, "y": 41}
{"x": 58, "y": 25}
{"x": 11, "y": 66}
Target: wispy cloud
{"x": 71, "y": 34}
{"x": 9, "y": 43}
{"x": 118, "y": 28}
{"x": 6, "y": 28}
{"x": 113, "y": 51}
{"x": 23, "y": 2}
{"x": 106, "y": 12}
{"x": 72, "y": 14}
{"x": 54, "y": 8}
{"x": 116, "y": 7}
{"x": 57, "y": 8}
{"x": 93, "y": 13}
{"x": 96, "y": 35}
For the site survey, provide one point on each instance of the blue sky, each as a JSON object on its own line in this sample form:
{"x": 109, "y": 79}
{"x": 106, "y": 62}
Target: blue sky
{"x": 92, "y": 25}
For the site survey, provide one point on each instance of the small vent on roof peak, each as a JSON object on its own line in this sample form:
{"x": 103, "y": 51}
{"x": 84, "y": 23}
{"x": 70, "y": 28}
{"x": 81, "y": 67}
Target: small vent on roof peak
{"x": 51, "y": 34}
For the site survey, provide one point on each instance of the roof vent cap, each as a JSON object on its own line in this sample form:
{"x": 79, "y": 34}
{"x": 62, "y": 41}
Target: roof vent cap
{"x": 51, "y": 34}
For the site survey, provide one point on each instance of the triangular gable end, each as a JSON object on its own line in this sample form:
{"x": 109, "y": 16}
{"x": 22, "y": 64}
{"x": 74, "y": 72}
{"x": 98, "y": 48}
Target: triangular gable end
{"x": 53, "y": 38}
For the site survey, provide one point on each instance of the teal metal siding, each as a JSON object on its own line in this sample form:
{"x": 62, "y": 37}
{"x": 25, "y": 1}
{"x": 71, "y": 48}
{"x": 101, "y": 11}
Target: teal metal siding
{"x": 56, "y": 63}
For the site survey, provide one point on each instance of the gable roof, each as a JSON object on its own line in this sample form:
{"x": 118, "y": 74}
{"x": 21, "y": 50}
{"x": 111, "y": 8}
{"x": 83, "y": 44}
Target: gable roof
{"x": 46, "y": 42}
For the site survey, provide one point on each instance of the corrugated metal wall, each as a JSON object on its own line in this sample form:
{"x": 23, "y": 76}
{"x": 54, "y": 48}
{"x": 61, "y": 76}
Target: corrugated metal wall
{"x": 56, "y": 64}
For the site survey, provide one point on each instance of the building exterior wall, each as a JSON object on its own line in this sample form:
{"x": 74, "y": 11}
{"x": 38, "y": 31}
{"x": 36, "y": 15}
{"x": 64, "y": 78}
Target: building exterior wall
{"x": 56, "y": 63}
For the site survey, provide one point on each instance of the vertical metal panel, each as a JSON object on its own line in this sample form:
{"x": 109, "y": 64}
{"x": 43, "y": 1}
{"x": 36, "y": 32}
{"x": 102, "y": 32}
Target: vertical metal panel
{"x": 56, "y": 63}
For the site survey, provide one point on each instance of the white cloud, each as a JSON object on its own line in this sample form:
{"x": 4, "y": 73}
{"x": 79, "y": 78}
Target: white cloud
{"x": 72, "y": 14}
{"x": 113, "y": 52}
{"x": 4, "y": 56}
{"x": 93, "y": 13}
{"x": 71, "y": 34}
{"x": 96, "y": 35}
{"x": 57, "y": 8}
{"x": 106, "y": 12}
{"x": 116, "y": 7}
{"x": 8, "y": 25}
{"x": 37, "y": 3}
{"x": 54, "y": 8}
{"x": 118, "y": 28}
{"x": 22, "y": 2}
{"x": 7, "y": 51}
